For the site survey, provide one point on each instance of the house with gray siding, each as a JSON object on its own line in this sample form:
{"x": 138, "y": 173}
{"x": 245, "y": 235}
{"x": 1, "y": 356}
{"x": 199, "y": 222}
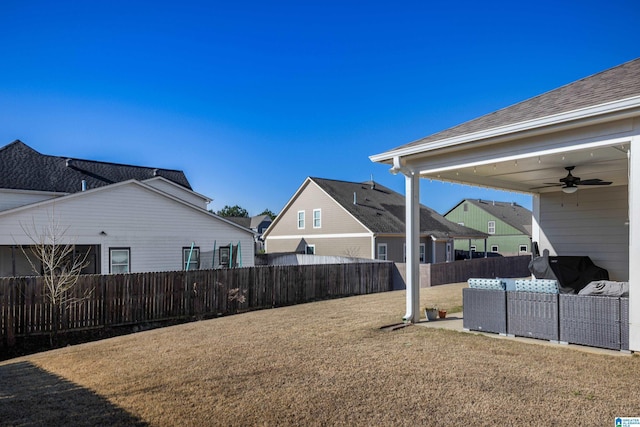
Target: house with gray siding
{"x": 358, "y": 219}
{"x": 127, "y": 218}
{"x": 508, "y": 225}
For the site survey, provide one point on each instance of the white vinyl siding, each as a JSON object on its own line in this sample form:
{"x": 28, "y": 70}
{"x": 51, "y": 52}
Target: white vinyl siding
{"x": 300, "y": 220}
{"x": 317, "y": 218}
{"x": 593, "y": 222}
{"x": 10, "y": 199}
{"x": 177, "y": 191}
{"x": 153, "y": 226}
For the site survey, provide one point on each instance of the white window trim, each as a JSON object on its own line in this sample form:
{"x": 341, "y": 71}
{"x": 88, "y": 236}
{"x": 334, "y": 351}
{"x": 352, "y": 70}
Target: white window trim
{"x": 386, "y": 253}
{"x": 319, "y": 211}
{"x": 301, "y": 219}
{"x": 195, "y": 257}
{"x": 526, "y": 248}
{"x": 128, "y": 264}
{"x": 491, "y": 225}
{"x": 495, "y": 248}
{"x": 306, "y": 249}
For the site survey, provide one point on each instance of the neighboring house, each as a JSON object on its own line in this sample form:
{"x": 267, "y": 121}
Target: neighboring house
{"x": 592, "y": 124}
{"x": 507, "y": 224}
{"x": 258, "y": 224}
{"x": 358, "y": 219}
{"x": 129, "y": 218}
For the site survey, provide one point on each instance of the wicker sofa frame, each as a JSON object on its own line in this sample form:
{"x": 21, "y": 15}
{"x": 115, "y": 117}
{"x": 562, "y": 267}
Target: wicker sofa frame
{"x": 484, "y": 310}
{"x": 595, "y": 321}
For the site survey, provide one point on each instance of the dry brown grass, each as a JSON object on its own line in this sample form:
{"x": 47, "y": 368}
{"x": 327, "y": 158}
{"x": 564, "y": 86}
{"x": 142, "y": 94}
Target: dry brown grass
{"x": 324, "y": 363}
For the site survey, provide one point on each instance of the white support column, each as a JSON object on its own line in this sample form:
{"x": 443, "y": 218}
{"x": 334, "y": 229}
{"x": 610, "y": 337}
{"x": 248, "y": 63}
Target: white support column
{"x": 634, "y": 244}
{"x": 412, "y": 221}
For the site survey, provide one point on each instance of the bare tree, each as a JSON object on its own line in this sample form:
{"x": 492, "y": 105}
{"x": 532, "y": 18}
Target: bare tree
{"x": 351, "y": 252}
{"x": 53, "y": 254}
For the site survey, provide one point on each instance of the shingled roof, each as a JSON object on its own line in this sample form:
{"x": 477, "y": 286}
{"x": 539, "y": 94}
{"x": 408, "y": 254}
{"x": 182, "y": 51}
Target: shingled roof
{"x": 513, "y": 214}
{"x": 24, "y": 168}
{"x": 614, "y": 84}
{"x": 382, "y": 210}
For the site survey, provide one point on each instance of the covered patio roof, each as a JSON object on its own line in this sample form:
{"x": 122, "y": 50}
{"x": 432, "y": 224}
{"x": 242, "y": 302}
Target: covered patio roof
{"x": 592, "y": 124}
{"x": 511, "y": 148}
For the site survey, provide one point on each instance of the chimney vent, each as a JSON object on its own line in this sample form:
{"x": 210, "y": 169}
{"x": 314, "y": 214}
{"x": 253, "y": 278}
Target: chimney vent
{"x": 84, "y": 185}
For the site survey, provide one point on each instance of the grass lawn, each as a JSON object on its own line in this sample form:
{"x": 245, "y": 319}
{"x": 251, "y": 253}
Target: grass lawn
{"x": 323, "y": 363}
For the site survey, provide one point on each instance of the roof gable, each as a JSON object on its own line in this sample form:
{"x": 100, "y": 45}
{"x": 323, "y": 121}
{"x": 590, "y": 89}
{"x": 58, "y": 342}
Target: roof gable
{"x": 382, "y": 210}
{"x": 615, "y": 84}
{"x": 123, "y": 184}
{"x": 512, "y": 214}
{"x": 28, "y": 169}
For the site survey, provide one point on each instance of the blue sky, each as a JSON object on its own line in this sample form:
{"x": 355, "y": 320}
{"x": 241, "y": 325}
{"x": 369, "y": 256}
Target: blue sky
{"x": 249, "y": 98}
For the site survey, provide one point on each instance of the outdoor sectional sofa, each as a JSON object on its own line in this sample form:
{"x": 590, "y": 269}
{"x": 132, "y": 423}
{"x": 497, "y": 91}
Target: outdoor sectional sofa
{"x": 534, "y": 308}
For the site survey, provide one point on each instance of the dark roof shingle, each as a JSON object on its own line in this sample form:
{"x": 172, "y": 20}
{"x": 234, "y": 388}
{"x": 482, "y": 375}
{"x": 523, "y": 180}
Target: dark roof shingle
{"x": 24, "y": 168}
{"x": 382, "y": 210}
{"x": 614, "y": 84}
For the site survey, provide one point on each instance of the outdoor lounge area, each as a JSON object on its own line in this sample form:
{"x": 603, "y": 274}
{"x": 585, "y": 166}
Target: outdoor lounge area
{"x": 576, "y": 151}
{"x": 535, "y": 309}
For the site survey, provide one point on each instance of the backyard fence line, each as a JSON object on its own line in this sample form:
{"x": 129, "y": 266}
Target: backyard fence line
{"x": 129, "y": 299}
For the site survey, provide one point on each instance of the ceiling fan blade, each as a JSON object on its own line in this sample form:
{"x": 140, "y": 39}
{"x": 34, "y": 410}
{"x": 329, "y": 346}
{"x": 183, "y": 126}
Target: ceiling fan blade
{"x": 594, "y": 181}
{"x": 549, "y": 184}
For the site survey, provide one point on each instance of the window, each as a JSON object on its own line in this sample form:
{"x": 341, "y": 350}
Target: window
{"x": 316, "y": 218}
{"x": 224, "y": 255}
{"x": 491, "y": 226}
{"x": 494, "y": 248}
{"x": 423, "y": 253}
{"x": 194, "y": 261}
{"x": 523, "y": 248}
{"x": 310, "y": 250}
{"x": 119, "y": 260}
{"x": 465, "y": 207}
{"x": 382, "y": 251}
{"x": 473, "y": 248}
{"x": 300, "y": 219}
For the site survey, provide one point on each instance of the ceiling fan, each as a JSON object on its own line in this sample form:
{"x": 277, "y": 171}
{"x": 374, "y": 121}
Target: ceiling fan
{"x": 570, "y": 183}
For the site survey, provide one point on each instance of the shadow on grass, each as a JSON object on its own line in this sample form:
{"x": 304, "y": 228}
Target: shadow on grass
{"x": 30, "y": 396}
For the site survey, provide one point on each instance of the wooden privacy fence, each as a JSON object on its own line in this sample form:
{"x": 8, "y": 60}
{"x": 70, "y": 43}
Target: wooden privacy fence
{"x": 460, "y": 271}
{"x": 126, "y": 299}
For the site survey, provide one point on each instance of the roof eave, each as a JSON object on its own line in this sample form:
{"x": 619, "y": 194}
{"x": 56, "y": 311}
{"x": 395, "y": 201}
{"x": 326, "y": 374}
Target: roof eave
{"x": 624, "y": 107}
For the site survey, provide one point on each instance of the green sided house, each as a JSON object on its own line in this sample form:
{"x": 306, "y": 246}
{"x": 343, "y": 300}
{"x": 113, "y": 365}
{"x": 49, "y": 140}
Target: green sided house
{"x": 507, "y": 224}
{"x": 360, "y": 220}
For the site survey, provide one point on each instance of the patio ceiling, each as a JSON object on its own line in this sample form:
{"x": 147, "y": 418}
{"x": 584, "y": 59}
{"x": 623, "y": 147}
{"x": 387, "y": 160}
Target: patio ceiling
{"x": 536, "y": 172}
